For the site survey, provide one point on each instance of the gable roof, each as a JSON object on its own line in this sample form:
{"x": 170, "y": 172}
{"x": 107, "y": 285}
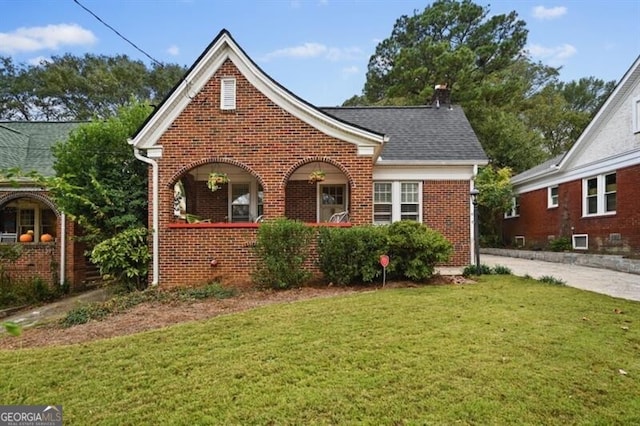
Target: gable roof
{"x": 27, "y": 144}
{"x": 563, "y": 162}
{"x": 224, "y": 48}
{"x": 418, "y": 134}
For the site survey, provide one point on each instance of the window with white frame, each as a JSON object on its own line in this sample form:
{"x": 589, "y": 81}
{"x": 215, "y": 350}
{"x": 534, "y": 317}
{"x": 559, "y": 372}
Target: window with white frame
{"x": 394, "y": 201}
{"x": 382, "y": 203}
{"x": 514, "y": 211}
{"x": 409, "y": 201}
{"x": 552, "y": 196}
{"x": 599, "y": 195}
{"x": 228, "y": 93}
{"x": 246, "y": 202}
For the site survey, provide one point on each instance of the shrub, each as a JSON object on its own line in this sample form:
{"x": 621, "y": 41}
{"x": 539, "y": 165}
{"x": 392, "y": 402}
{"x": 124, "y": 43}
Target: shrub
{"x": 475, "y": 270}
{"x": 351, "y": 255}
{"x": 414, "y": 250}
{"x": 282, "y": 248}
{"x": 551, "y": 280}
{"x": 560, "y": 244}
{"x": 124, "y": 257}
{"x": 501, "y": 270}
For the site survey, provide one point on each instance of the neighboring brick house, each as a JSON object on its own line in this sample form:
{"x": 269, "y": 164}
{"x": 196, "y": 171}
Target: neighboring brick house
{"x": 227, "y": 116}
{"x": 25, "y": 206}
{"x": 592, "y": 193}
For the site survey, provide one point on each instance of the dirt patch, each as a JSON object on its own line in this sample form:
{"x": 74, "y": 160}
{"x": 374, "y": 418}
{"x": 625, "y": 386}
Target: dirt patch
{"x": 149, "y": 316}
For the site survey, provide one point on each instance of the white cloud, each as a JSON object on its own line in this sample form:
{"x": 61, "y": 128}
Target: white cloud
{"x": 315, "y": 50}
{"x": 348, "y": 71}
{"x": 554, "y": 56}
{"x": 38, "y": 60}
{"x": 173, "y": 50}
{"x": 541, "y": 12}
{"x": 51, "y": 37}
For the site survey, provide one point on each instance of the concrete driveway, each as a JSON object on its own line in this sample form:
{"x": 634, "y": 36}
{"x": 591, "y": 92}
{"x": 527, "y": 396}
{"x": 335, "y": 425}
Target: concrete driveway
{"x": 604, "y": 281}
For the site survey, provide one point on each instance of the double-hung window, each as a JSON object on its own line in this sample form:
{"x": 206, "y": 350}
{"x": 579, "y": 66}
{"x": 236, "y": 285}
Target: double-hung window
{"x": 552, "y": 196}
{"x": 393, "y": 201}
{"x": 599, "y": 195}
{"x": 514, "y": 211}
{"x": 409, "y": 201}
{"x": 382, "y": 203}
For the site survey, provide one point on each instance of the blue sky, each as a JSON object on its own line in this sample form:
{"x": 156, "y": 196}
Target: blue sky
{"x": 319, "y": 49}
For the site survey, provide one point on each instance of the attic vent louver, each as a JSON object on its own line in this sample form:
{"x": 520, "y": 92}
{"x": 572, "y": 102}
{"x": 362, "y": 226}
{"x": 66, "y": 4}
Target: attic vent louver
{"x": 441, "y": 95}
{"x": 228, "y": 94}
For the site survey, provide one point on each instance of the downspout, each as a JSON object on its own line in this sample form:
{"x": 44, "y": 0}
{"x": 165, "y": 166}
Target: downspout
{"x": 63, "y": 246}
{"x": 155, "y": 218}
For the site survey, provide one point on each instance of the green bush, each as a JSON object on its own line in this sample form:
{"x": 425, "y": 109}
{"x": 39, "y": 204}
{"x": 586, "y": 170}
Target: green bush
{"x": 501, "y": 270}
{"x": 124, "y": 257}
{"x": 351, "y": 255}
{"x": 18, "y": 292}
{"x": 282, "y": 248}
{"x": 414, "y": 250}
{"x": 551, "y": 280}
{"x": 560, "y": 244}
{"x": 475, "y": 270}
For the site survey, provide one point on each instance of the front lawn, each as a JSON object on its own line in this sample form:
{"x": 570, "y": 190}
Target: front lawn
{"x": 504, "y": 351}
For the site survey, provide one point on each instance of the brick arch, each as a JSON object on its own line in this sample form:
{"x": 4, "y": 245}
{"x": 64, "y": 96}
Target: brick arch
{"x": 40, "y": 197}
{"x": 317, "y": 159}
{"x": 202, "y": 162}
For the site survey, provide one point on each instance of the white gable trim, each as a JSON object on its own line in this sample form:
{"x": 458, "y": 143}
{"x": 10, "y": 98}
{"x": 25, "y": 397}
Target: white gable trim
{"x": 611, "y": 164}
{"x": 224, "y": 48}
{"x": 617, "y": 96}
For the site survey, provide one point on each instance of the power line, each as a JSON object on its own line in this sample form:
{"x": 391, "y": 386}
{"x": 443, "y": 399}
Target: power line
{"x": 119, "y": 35}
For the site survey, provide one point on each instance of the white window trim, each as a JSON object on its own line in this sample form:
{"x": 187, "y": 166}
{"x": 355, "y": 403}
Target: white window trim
{"x": 550, "y": 203}
{"x": 396, "y": 197}
{"x": 253, "y": 198}
{"x": 600, "y": 197}
{"x": 512, "y": 211}
{"x": 586, "y": 240}
{"x": 635, "y": 112}
{"x": 519, "y": 240}
{"x": 228, "y": 94}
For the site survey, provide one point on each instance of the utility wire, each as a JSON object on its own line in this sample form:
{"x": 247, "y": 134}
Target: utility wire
{"x": 119, "y": 35}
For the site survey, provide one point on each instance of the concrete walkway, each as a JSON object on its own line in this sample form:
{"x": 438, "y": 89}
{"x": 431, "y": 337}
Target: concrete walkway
{"x": 58, "y": 309}
{"x": 604, "y": 281}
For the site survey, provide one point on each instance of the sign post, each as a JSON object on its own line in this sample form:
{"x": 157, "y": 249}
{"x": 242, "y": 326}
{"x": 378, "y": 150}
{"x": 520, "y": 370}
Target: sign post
{"x": 384, "y": 261}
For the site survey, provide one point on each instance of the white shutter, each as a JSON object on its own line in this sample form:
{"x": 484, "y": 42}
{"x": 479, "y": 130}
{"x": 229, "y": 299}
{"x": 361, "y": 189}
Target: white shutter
{"x": 228, "y": 93}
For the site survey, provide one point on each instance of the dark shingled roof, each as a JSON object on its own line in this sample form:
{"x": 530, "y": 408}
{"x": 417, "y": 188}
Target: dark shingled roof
{"x": 420, "y": 133}
{"x": 27, "y": 144}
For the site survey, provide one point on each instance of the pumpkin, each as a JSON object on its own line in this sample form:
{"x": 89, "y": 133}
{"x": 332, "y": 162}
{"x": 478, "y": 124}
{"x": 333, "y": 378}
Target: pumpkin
{"x": 46, "y": 238}
{"x": 26, "y": 238}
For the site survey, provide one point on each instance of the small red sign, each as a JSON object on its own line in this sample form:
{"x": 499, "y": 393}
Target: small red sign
{"x": 384, "y": 260}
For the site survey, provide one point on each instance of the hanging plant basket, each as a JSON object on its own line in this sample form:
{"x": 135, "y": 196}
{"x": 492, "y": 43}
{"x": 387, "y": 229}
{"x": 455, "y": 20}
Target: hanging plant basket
{"x": 216, "y": 179}
{"x": 317, "y": 176}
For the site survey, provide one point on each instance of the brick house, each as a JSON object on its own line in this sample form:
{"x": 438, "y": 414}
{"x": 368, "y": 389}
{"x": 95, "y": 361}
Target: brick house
{"x": 25, "y": 206}
{"x": 227, "y": 117}
{"x": 591, "y": 194}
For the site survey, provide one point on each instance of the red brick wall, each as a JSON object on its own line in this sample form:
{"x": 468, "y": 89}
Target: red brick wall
{"x": 300, "y": 201}
{"x": 271, "y": 144}
{"x": 536, "y": 221}
{"x": 446, "y": 208}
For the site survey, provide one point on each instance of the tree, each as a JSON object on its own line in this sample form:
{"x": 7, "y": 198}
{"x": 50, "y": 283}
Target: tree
{"x": 450, "y": 42}
{"x": 494, "y": 199}
{"x": 99, "y": 183}
{"x": 80, "y": 88}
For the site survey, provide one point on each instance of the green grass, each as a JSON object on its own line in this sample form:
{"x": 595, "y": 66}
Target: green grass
{"x": 504, "y": 351}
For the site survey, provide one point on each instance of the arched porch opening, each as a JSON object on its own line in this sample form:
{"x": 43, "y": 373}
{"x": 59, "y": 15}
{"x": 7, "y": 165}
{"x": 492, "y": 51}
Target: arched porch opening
{"x": 318, "y": 190}
{"x": 218, "y": 192}
{"x": 27, "y": 214}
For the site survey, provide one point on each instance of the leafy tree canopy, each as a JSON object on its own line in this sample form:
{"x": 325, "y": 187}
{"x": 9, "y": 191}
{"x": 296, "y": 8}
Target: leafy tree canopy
{"x": 99, "y": 183}
{"x": 80, "y": 88}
